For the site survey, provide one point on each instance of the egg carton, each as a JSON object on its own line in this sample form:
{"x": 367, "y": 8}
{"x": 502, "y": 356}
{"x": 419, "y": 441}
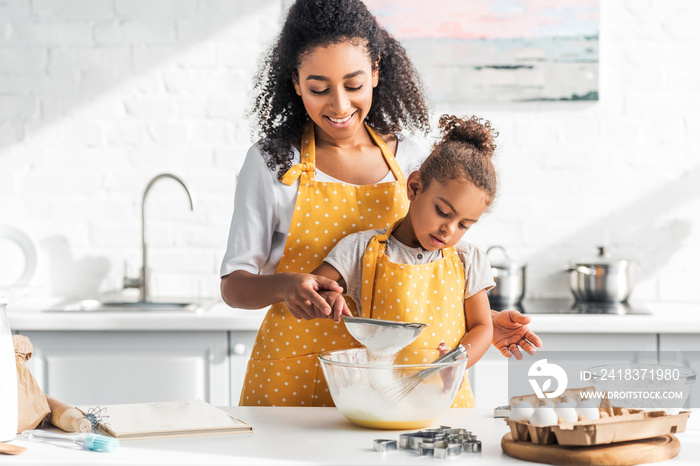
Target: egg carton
{"x": 615, "y": 425}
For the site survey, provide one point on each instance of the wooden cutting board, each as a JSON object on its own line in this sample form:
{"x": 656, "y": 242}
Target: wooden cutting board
{"x": 642, "y": 451}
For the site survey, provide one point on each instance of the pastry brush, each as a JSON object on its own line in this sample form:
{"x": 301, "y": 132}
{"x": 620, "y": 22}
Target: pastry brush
{"x": 87, "y": 441}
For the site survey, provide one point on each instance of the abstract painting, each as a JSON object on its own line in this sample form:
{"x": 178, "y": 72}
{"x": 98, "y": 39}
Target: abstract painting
{"x": 486, "y": 51}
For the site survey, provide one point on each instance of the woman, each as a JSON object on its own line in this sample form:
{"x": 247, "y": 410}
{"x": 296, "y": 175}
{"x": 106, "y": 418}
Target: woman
{"x": 334, "y": 94}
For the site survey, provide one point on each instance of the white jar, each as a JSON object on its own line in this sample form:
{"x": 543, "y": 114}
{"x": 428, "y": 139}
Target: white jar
{"x": 8, "y": 381}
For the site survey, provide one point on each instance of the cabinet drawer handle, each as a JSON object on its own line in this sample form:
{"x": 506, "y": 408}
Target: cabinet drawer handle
{"x": 239, "y": 349}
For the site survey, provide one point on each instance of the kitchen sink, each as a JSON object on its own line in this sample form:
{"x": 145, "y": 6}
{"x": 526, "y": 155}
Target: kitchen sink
{"x": 95, "y": 305}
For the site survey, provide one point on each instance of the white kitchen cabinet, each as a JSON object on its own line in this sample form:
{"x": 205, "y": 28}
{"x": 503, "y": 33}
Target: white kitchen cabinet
{"x": 682, "y": 350}
{"x": 111, "y": 367}
{"x": 489, "y": 379}
{"x": 240, "y": 349}
{"x": 489, "y": 376}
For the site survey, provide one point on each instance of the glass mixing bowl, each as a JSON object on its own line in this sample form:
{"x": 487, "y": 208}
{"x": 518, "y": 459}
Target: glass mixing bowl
{"x": 407, "y": 391}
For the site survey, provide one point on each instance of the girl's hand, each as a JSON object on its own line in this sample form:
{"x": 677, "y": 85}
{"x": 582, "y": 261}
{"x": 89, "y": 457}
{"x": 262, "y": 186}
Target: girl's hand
{"x": 337, "y": 303}
{"x": 301, "y": 295}
{"x": 447, "y": 374}
{"x": 443, "y": 349}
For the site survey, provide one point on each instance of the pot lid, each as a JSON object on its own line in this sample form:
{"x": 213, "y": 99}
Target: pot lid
{"x": 504, "y": 261}
{"x": 603, "y": 259}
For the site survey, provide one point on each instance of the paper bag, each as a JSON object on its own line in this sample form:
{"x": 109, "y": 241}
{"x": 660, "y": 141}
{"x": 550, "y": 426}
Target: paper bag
{"x": 33, "y": 407}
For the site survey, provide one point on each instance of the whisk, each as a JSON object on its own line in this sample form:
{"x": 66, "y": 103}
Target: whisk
{"x": 406, "y": 384}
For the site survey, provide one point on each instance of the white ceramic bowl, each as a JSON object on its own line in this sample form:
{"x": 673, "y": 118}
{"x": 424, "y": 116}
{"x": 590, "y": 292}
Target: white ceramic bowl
{"x": 367, "y": 390}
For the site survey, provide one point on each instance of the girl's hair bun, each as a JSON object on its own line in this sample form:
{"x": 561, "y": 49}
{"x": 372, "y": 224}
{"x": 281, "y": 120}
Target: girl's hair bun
{"x": 465, "y": 151}
{"x": 475, "y": 131}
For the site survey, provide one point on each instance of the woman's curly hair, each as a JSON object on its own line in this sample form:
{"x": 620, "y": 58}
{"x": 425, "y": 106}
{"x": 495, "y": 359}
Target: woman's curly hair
{"x": 397, "y": 101}
{"x": 464, "y": 152}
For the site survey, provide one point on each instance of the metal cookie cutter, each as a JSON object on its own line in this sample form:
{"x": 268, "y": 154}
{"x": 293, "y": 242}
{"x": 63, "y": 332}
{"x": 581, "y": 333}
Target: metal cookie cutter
{"x": 452, "y": 449}
{"x": 426, "y": 449}
{"x": 472, "y": 446}
{"x": 408, "y": 442}
{"x": 384, "y": 445}
{"x": 439, "y": 443}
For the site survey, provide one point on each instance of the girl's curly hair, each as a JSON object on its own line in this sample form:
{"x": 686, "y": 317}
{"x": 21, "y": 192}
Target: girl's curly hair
{"x": 464, "y": 152}
{"x": 397, "y": 101}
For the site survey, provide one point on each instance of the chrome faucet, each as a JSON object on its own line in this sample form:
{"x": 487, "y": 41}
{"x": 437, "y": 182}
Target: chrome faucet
{"x": 142, "y": 282}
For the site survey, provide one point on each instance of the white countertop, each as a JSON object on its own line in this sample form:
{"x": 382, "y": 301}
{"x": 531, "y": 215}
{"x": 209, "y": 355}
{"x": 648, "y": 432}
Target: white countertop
{"x": 306, "y": 436}
{"x": 213, "y": 315}
{"x": 664, "y": 317}
{"x": 644, "y": 318}
{"x": 30, "y": 315}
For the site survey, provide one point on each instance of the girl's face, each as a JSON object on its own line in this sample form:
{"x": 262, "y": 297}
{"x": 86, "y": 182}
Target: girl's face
{"x": 442, "y": 212}
{"x": 335, "y": 83}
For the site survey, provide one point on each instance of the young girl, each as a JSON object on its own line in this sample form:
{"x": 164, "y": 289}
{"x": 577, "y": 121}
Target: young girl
{"x": 333, "y": 95}
{"x": 412, "y": 271}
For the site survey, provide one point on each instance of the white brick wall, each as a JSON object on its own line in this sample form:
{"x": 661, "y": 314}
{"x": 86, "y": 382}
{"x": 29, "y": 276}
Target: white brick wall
{"x": 99, "y": 96}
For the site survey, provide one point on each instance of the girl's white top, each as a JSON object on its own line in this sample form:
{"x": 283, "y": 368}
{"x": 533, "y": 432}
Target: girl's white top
{"x": 263, "y": 208}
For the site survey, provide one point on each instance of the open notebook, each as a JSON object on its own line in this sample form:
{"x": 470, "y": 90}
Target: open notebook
{"x": 166, "y": 419}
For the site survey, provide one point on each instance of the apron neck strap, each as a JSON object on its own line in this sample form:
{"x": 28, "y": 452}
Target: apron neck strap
{"x": 308, "y": 157}
{"x": 389, "y": 157}
{"x": 376, "y": 246}
{"x": 307, "y": 166}
{"x": 308, "y": 143}
{"x": 369, "y": 270}
{"x": 449, "y": 252}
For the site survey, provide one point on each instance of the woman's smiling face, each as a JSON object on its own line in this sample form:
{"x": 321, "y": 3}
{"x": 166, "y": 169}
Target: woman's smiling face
{"x": 335, "y": 83}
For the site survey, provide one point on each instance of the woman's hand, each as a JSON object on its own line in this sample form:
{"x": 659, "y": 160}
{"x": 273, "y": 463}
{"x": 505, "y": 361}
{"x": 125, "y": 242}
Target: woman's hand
{"x": 510, "y": 333}
{"x": 301, "y": 295}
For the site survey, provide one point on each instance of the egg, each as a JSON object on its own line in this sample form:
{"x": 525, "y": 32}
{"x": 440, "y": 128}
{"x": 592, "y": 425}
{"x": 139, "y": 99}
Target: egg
{"x": 564, "y": 404}
{"x": 543, "y": 416}
{"x": 588, "y": 409}
{"x": 570, "y": 401}
{"x": 546, "y": 404}
{"x": 566, "y": 412}
{"x": 522, "y": 411}
{"x": 587, "y": 404}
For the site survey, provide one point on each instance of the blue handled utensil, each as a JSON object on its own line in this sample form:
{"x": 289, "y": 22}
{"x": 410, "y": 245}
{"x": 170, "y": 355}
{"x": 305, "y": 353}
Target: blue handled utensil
{"x": 86, "y": 441}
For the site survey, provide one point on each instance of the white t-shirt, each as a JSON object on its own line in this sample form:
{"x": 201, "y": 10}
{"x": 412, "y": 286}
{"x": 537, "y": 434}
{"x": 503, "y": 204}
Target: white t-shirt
{"x": 263, "y": 208}
{"x": 346, "y": 257}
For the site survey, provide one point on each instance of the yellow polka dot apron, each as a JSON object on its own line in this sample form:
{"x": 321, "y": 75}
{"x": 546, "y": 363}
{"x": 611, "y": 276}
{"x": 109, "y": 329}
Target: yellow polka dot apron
{"x": 284, "y": 369}
{"x": 431, "y": 293}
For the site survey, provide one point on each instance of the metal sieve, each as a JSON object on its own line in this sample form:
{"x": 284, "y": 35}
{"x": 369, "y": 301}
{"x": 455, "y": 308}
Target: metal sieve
{"x": 383, "y": 337}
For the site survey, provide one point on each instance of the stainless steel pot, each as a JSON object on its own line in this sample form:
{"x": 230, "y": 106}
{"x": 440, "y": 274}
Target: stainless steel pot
{"x": 509, "y": 277}
{"x": 602, "y": 278}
